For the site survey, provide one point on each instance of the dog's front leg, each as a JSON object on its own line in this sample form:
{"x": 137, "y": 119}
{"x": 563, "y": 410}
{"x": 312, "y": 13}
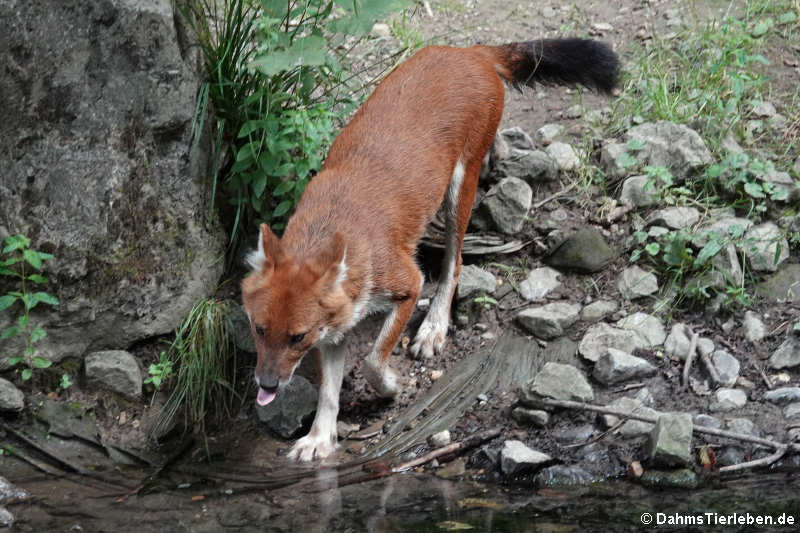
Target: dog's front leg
{"x": 321, "y": 440}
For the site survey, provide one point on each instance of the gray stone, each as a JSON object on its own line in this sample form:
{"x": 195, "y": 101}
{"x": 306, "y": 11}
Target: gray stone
{"x": 380, "y": 30}
{"x": 677, "y": 342}
{"x": 707, "y": 421}
{"x": 584, "y": 251}
{"x": 533, "y": 166}
{"x": 636, "y": 283}
{"x": 601, "y": 336}
{"x": 6, "y": 518}
{"x": 574, "y": 111}
{"x": 754, "y": 329}
{"x": 564, "y": 155}
{"x": 763, "y": 109}
{"x": 616, "y": 366}
{"x": 741, "y": 425}
{"x": 730, "y": 145}
{"x": 598, "y": 310}
{"x": 442, "y": 438}
{"x": 723, "y": 227}
{"x": 783, "y": 395}
{"x": 792, "y": 411}
{"x": 547, "y": 133}
{"x": 648, "y": 326}
{"x": 551, "y": 320}
{"x": 784, "y": 182}
{"x": 11, "y": 398}
{"x": 761, "y": 244}
{"x": 727, "y": 367}
{"x": 557, "y": 381}
{"x": 516, "y": 458}
{"x": 240, "y": 328}
{"x": 539, "y": 283}
{"x": 638, "y": 191}
{"x": 517, "y": 138}
{"x": 474, "y": 281}
{"x": 100, "y": 168}
{"x": 609, "y": 160}
{"x": 291, "y": 408}
{"x": 787, "y": 355}
{"x": 507, "y": 204}
{"x": 564, "y": 476}
{"x": 729, "y": 399}
{"x": 344, "y": 429}
{"x": 670, "y": 442}
{"x": 783, "y": 286}
{"x": 530, "y": 417}
{"x": 675, "y": 217}
{"x": 684, "y": 479}
{"x": 631, "y": 428}
{"x": 670, "y": 145}
{"x": 117, "y": 370}
{"x": 726, "y": 262}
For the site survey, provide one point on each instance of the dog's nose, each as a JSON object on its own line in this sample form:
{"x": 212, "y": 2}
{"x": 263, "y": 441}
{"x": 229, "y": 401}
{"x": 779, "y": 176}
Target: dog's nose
{"x": 268, "y": 382}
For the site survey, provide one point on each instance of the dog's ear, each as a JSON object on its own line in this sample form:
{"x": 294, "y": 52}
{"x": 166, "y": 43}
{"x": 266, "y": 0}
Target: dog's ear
{"x": 268, "y": 253}
{"x": 330, "y": 264}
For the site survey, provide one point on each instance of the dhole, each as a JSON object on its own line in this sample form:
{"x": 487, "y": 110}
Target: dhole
{"x": 349, "y": 249}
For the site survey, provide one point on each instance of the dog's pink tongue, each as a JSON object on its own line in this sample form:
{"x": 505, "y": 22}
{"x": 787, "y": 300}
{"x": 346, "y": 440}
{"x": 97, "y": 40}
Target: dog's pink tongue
{"x": 264, "y": 397}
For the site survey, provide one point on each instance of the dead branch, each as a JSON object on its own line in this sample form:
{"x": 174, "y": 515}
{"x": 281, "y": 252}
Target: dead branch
{"x": 469, "y": 442}
{"x": 689, "y": 357}
{"x": 764, "y": 461}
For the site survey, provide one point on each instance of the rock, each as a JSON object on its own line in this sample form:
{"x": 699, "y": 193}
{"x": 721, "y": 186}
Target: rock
{"x": 473, "y": 282}
{"x": 547, "y": 133}
{"x": 763, "y": 109}
{"x": 727, "y": 367}
{"x": 730, "y": 145}
{"x": 240, "y": 328}
{"x": 792, "y": 411}
{"x": 100, "y": 168}
{"x": 707, "y": 421}
{"x": 783, "y": 286}
{"x": 761, "y": 244}
{"x": 517, "y": 138}
{"x": 516, "y": 458}
{"x": 530, "y": 417}
{"x": 291, "y": 408}
{"x": 574, "y": 111}
{"x": 573, "y": 434}
{"x": 117, "y": 370}
{"x": 729, "y": 399}
{"x": 533, "y": 166}
{"x": 674, "y": 146}
{"x": 631, "y": 428}
{"x": 787, "y": 355}
{"x": 11, "y": 398}
{"x": 602, "y": 336}
{"x": 670, "y": 442}
{"x": 731, "y": 455}
{"x": 648, "y": 326}
{"x": 380, "y": 29}
{"x": 453, "y": 470}
{"x": 602, "y": 27}
{"x": 722, "y": 227}
{"x": 564, "y": 155}
{"x": 784, "y": 182}
{"x": 783, "y": 395}
{"x": 669, "y": 479}
{"x": 507, "y": 204}
{"x": 564, "y": 476}
{"x": 551, "y": 320}
{"x": 741, "y": 425}
{"x": 552, "y": 220}
{"x": 539, "y": 283}
{"x": 6, "y": 518}
{"x": 636, "y": 283}
{"x": 344, "y": 429}
{"x": 616, "y": 366}
{"x": 726, "y": 262}
{"x": 584, "y": 251}
{"x": 675, "y": 217}
{"x": 677, "y": 342}
{"x": 638, "y": 191}
{"x": 557, "y": 381}
{"x": 437, "y": 440}
{"x": 610, "y": 159}
{"x": 598, "y": 310}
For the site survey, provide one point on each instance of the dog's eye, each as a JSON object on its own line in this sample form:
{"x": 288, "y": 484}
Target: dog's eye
{"x": 260, "y": 331}
{"x": 294, "y": 339}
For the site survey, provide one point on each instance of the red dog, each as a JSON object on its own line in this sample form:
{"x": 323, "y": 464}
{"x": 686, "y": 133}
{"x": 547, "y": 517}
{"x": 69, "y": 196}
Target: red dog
{"x": 348, "y": 251}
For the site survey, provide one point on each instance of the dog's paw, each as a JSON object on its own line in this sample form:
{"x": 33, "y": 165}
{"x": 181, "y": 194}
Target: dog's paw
{"x": 430, "y": 338}
{"x": 311, "y": 447}
{"x": 385, "y": 381}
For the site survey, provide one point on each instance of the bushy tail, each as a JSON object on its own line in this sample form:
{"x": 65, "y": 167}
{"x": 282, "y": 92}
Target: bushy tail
{"x": 559, "y": 61}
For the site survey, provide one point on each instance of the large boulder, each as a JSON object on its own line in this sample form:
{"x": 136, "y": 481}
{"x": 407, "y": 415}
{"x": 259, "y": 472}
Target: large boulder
{"x": 99, "y": 168}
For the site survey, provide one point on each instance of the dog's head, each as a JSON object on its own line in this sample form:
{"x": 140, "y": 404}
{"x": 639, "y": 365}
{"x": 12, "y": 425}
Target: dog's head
{"x": 295, "y": 301}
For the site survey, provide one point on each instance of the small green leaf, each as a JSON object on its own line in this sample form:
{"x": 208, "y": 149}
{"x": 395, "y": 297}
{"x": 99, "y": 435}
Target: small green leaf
{"x": 626, "y": 160}
{"x": 754, "y": 189}
{"x": 259, "y": 184}
{"x": 32, "y": 258}
{"x": 65, "y": 382}
{"x": 41, "y": 362}
{"x": 26, "y": 374}
{"x": 787, "y": 18}
{"x": 762, "y": 27}
{"x": 45, "y": 298}
{"x": 636, "y": 144}
{"x": 283, "y": 188}
{"x": 16, "y": 242}
{"x": 6, "y": 301}
{"x": 37, "y": 278}
{"x": 708, "y": 251}
{"x": 282, "y": 208}
{"x": 37, "y": 334}
{"x": 14, "y": 361}
{"x": 22, "y": 321}
{"x": 653, "y": 248}
{"x": 7, "y": 333}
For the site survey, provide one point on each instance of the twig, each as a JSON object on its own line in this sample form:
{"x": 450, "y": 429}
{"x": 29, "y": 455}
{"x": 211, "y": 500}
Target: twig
{"x": 764, "y": 461}
{"x": 427, "y": 7}
{"x": 765, "y": 377}
{"x": 33, "y": 444}
{"x": 553, "y": 196}
{"x": 598, "y": 437}
{"x": 689, "y": 356}
{"x": 628, "y": 387}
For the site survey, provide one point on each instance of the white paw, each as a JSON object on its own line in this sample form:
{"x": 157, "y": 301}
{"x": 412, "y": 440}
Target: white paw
{"x": 311, "y": 447}
{"x": 430, "y": 337}
{"x": 383, "y": 381}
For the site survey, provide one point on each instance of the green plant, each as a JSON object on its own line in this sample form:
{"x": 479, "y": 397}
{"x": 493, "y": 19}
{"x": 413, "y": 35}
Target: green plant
{"x": 203, "y": 361}
{"x": 278, "y": 77}
{"x": 486, "y": 301}
{"x": 65, "y": 382}
{"x": 18, "y": 253}
{"x": 159, "y": 372}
